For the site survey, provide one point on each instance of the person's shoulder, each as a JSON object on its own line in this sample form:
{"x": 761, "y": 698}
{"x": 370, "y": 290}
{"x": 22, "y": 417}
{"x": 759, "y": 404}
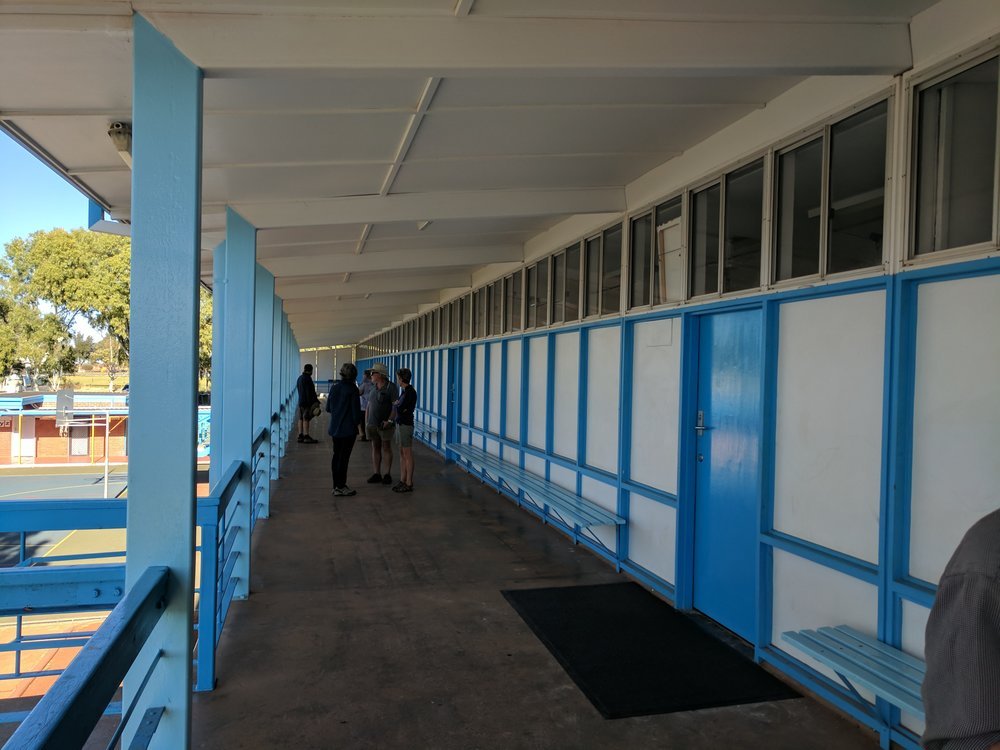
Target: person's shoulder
{"x": 979, "y": 550}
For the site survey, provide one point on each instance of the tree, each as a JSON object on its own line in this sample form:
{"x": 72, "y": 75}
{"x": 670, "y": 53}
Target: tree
{"x": 81, "y": 274}
{"x": 204, "y": 333}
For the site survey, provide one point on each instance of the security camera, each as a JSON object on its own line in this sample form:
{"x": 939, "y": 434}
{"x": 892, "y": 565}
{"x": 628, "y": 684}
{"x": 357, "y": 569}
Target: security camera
{"x": 120, "y": 134}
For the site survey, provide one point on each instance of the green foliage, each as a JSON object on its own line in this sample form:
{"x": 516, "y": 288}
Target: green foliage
{"x": 204, "y": 332}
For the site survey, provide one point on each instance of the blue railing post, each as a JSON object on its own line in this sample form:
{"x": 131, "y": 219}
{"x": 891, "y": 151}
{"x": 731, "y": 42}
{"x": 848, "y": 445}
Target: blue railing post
{"x": 208, "y": 522}
{"x": 166, "y": 260}
{"x": 263, "y": 356}
{"x": 237, "y": 421}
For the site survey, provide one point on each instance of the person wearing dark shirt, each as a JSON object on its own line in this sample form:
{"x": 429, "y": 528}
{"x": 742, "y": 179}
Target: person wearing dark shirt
{"x": 307, "y": 399}
{"x": 402, "y": 415}
{"x": 961, "y": 689}
{"x": 344, "y": 407}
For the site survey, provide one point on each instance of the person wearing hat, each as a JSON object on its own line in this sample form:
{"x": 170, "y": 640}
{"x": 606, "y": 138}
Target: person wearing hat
{"x": 378, "y": 423}
{"x": 307, "y": 399}
{"x": 344, "y": 406}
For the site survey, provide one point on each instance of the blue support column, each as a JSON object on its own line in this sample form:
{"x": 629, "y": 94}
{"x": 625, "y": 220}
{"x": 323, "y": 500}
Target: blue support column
{"x": 263, "y": 365}
{"x": 215, "y": 467}
{"x": 166, "y": 255}
{"x": 277, "y": 397}
{"x": 237, "y": 383}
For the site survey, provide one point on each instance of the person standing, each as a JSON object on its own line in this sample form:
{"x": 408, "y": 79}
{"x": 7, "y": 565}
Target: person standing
{"x": 379, "y": 425}
{"x": 344, "y": 407}
{"x": 402, "y": 415}
{"x": 961, "y": 689}
{"x": 307, "y": 398}
{"x": 366, "y": 390}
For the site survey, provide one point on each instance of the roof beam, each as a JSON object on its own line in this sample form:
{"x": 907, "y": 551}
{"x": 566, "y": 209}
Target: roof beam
{"x": 319, "y": 285}
{"x": 481, "y": 45}
{"x": 374, "y": 304}
{"x": 374, "y": 209}
{"x": 396, "y": 260}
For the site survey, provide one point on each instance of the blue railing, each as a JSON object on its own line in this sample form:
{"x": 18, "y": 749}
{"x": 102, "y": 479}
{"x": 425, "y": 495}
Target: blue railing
{"x": 67, "y": 714}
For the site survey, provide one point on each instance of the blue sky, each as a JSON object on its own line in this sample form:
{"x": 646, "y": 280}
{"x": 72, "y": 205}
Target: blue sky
{"x": 33, "y": 197}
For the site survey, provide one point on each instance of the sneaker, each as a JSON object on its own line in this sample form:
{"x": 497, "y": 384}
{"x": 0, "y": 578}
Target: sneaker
{"x": 346, "y": 491}
{"x": 397, "y": 485}
{"x": 308, "y": 439}
{"x": 338, "y": 491}
{"x": 386, "y": 479}
{"x": 406, "y": 488}
{"x": 301, "y": 438}
{"x": 375, "y": 478}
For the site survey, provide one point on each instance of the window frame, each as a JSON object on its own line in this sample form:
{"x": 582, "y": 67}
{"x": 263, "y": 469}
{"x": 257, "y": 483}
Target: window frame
{"x": 949, "y": 68}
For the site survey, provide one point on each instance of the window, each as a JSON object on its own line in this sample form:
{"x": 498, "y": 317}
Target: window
{"x": 531, "y": 293}
{"x": 743, "y": 221}
{"x": 480, "y": 303}
{"x": 841, "y": 230}
{"x": 543, "y": 292}
{"x": 446, "y": 324}
{"x": 592, "y": 277}
{"x": 669, "y": 280}
{"x": 857, "y": 189}
{"x": 611, "y": 270}
{"x": 956, "y": 156}
{"x": 496, "y": 293}
{"x": 799, "y": 178}
{"x": 559, "y": 288}
{"x": 512, "y": 302}
{"x": 640, "y": 260}
{"x": 705, "y": 213}
{"x": 573, "y": 283}
{"x": 436, "y": 327}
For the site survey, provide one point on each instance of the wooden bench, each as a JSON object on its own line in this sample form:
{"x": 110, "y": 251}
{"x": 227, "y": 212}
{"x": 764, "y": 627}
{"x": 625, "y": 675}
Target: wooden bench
{"x": 550, "y": 499}
{"x": 857, "y": 658}
{"x": 425, "y": 432}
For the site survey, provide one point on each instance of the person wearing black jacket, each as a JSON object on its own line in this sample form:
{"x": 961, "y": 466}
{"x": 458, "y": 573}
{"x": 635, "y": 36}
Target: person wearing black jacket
{"x": 307, "y": 398}
{"x": 344, "y": 407}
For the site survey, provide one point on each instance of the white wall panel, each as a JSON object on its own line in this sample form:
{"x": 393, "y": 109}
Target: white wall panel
{"x": 535, "y": 465}
{"x": 956, "y": 417}
{"x": 466, "y": 383}
{"x": 513, "y": 396}
{"x": 492, "y": 447}
{"x": 606, "y": 496}
{"x": 562, "y": 477}
{"x": 496, "y": 384}
{"x": 656, "y": 395}
{"x": 914, "y": 625}
{"x": 480, "y": 386}
{"x": 538, "y": 371}
{"x": 566, "y": 418}
{"x": 603, "y": 386}
{"x": 808, "y": 595}
{"x": 828, "y": 450}
{"x": 652, "y": 536}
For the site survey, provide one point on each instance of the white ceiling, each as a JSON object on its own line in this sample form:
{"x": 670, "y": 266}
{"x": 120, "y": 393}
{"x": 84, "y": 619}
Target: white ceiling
{"x": 339, "y": 127}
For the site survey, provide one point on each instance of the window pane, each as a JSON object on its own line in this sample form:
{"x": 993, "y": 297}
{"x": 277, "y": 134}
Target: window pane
{"x": 611, "y": 271}
{"x": 668, "y": 260}
{"x": 857, "y": 190}
{"x": 956, "y": 153}
{"x": 573, "y": 283}
{"x": 516, "y": 297}
{"x": 592, "y": 280}
{"x": 483, "y": 313}
{"x": 705, "y": 241}
{"x": 446, "y": 325}
{"x": 744, "y": 217}
{"x": 800, "y": 181}
{"x": 543, "y": 293}
{"x": 559, "y": 288}
{"x": 508, "y": 299}
{"x": 496, "y": 288}
{"x": 532, "y": 294}
{"x": 640, "y": 258}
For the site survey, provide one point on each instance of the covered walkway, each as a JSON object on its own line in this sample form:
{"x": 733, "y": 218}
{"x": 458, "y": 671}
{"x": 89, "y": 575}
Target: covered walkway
{"x": 377, "y": 621}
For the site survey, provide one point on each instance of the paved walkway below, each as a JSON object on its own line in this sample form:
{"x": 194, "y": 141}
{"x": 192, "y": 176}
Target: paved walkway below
{"x": 376, "y": 621}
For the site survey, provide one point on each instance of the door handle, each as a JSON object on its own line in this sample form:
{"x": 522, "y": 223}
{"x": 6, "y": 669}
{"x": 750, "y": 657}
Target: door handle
{"x": 699, "y": 425}
{"x": 701, "y": 428}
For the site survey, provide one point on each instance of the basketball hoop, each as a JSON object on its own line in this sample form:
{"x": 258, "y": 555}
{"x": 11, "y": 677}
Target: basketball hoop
{"x": 64, "y": 409}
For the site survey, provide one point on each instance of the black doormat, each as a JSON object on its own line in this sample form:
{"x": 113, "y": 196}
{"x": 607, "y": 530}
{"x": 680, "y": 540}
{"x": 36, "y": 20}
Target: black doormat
{"x": 633, "y": 655}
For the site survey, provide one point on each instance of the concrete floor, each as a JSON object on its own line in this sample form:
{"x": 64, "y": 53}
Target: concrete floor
{"x": 376, "y": 621}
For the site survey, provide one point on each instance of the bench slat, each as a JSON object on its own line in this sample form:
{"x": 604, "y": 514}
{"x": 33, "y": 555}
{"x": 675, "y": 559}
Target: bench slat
{"x": 910, "y": 661}
{"x": 856, "y": 653}
{"x": 869, "y": 647}
{"x": 538, "y": 490}
{"x": 818, "y": 647}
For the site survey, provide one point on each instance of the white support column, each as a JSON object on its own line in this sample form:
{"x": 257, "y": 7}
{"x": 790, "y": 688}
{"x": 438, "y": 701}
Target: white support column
{"x": 237, "y": 383}
{"x": 166, "y": 230}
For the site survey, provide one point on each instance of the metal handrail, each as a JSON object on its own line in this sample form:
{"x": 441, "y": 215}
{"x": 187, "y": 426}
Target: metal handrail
{"x": 67, "y": 714}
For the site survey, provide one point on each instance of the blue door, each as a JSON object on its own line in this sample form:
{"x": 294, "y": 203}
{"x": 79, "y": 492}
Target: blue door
{"x": 727, "y": 470}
